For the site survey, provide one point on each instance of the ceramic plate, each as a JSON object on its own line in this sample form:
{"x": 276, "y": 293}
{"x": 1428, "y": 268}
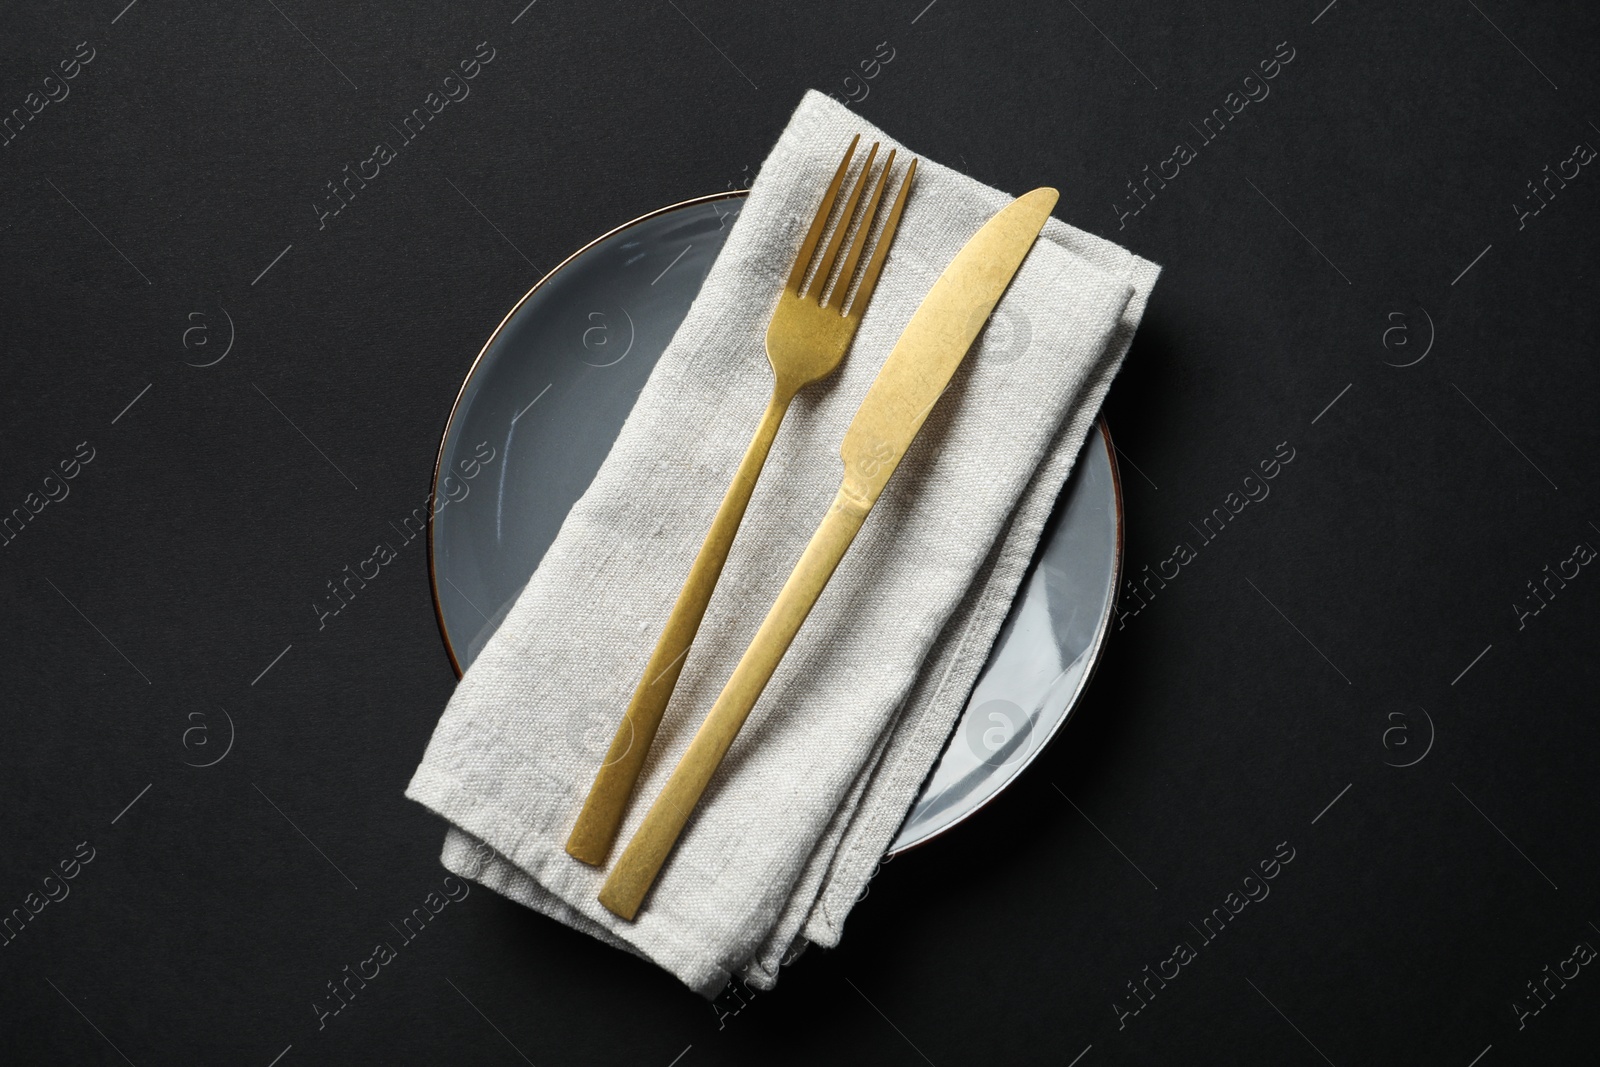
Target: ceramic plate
{"x": 547, "y": 397}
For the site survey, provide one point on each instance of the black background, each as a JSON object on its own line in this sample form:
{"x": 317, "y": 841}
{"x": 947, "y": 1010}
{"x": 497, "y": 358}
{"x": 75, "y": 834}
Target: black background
{"x": 1333, "y": 630}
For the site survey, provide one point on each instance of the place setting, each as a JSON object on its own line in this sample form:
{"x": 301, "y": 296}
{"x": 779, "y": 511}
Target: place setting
{"x": 796, "y": 539}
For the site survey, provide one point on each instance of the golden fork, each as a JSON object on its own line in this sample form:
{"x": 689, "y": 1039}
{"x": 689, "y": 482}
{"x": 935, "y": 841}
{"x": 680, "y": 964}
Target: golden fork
{"x": 809, "y": 333}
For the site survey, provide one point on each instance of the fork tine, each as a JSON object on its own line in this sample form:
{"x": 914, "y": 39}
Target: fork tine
{"x": 803, "y": 260}
{"x": 869, "y": 276}
{"x": 868, "y": 214}
{"x": 819, "y": 281}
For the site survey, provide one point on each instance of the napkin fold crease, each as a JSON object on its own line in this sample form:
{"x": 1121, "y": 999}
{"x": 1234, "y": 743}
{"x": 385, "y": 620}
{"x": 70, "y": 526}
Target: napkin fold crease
{"x": 812, "y": 792}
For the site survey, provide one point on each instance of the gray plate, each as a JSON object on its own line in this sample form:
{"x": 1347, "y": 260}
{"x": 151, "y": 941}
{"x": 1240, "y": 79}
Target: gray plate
{"x": 549, "y": 394}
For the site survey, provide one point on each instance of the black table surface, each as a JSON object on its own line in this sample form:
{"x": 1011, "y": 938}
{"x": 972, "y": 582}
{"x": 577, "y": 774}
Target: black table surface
{"x": 1331, "y": 796}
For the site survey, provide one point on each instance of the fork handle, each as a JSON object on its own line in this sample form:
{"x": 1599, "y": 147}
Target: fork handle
{"x": 603, "y": 810}
{"x": 641, "y": 861}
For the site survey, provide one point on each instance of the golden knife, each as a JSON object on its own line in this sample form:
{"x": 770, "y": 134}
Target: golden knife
{"x": 917, "y": 371}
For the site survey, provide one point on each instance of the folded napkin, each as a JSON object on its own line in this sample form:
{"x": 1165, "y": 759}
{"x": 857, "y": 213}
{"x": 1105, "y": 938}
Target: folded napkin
{"x": 814, "y": 788}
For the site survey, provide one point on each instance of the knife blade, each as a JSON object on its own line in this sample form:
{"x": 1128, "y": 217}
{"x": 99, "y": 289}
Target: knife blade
{"x": 913, "y": 377}
{"x": 935, "y": 341}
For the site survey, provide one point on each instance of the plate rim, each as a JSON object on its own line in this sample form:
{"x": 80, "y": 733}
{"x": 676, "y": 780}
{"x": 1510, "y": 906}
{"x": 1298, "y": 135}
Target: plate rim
{"x": 1103, "y": 628}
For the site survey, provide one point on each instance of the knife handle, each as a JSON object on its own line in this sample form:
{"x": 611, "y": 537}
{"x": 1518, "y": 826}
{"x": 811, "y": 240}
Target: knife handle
{"x": 607, "y": 802}
{"x": 641, "y": 861}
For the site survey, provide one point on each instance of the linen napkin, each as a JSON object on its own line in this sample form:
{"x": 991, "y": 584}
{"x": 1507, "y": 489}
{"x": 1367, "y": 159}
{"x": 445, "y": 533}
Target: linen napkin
{"x": 812, "y": 791}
